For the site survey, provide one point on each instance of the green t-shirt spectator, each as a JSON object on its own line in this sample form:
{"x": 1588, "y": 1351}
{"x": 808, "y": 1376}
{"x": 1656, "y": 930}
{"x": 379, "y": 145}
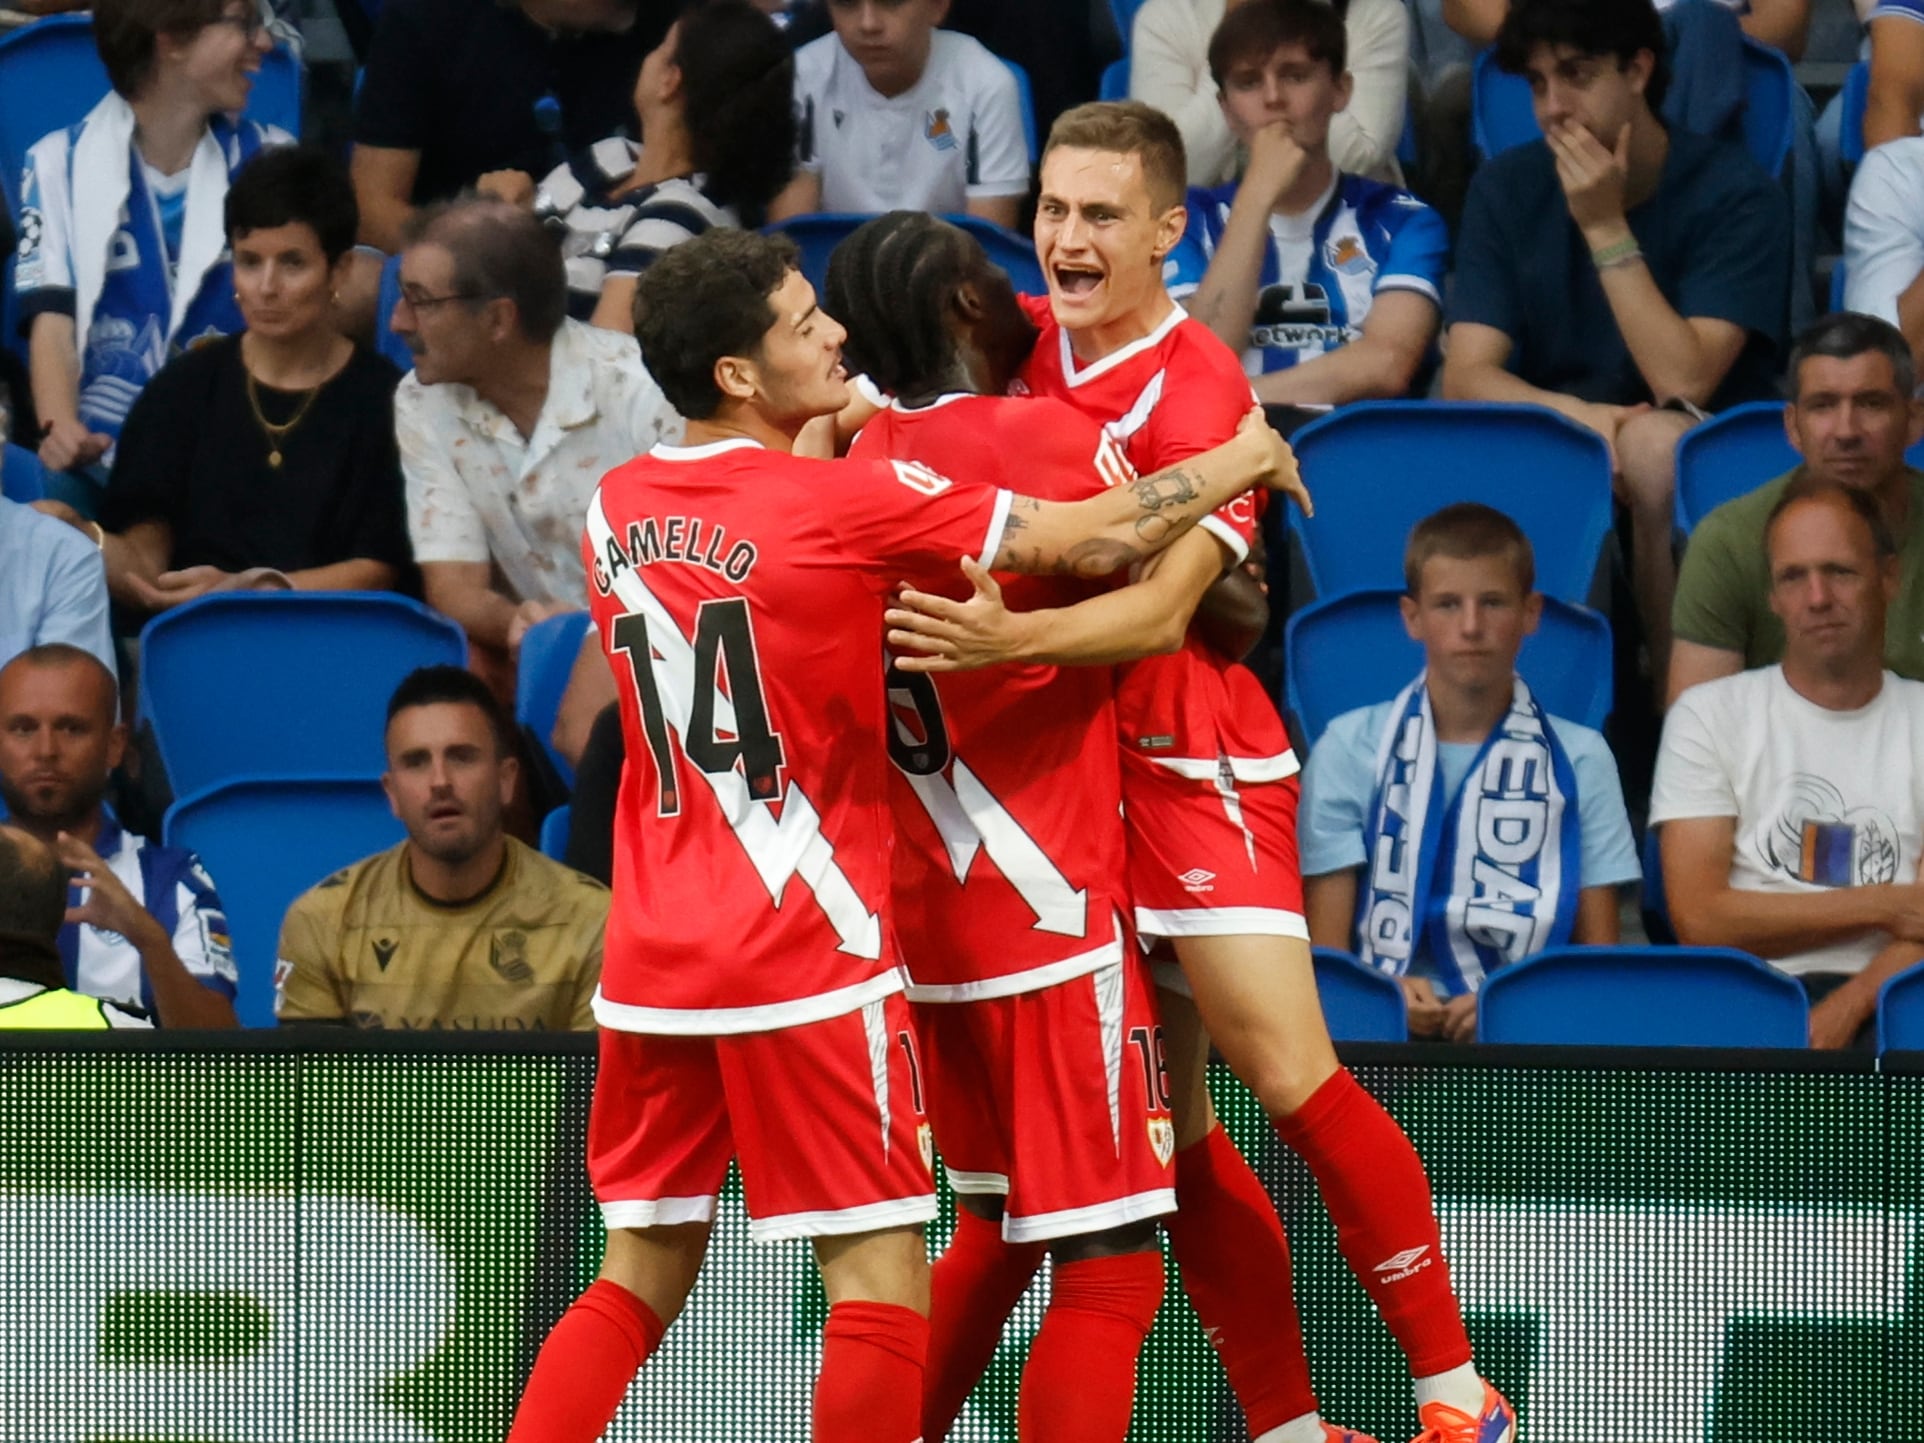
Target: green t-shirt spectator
{"x": 1723, "y": 590}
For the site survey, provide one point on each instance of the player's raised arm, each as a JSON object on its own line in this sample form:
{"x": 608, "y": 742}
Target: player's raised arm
{"x": 1130, "y": 523}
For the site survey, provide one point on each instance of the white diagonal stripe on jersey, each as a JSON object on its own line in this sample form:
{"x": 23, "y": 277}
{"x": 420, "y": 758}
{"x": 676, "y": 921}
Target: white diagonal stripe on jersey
{"x": 875, "y": 1028}
{"x": 1109, "y": 992}
{"x": 970, "y": 818}
{"x": 792, "y": 847}
{"x": 1137, "y": 416}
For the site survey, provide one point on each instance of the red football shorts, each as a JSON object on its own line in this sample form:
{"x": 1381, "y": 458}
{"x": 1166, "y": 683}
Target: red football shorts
{"x": 1212, "y": 857}
{"x": 825, "y": 1120}
{"x": 1057, "y": 1100}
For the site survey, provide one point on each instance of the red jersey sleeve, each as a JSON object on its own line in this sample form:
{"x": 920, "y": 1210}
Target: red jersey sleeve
{"x": 909, "y": 523}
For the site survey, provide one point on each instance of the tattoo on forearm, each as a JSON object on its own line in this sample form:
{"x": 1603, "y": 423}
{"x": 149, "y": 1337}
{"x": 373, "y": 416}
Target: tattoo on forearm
{"x": 1174, "y": 487}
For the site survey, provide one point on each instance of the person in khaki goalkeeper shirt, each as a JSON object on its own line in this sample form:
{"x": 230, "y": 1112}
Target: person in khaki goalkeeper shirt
{"x": 460, "y": 926}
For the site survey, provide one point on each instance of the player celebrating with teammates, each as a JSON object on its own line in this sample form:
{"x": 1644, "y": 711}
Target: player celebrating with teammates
{"x": 750, "y": 1001}
{"x": 1210, "y": 792}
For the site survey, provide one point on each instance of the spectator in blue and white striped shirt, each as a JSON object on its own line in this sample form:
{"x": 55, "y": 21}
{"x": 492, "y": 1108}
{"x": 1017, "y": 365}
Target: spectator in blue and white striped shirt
{"x": 148, "y": 929}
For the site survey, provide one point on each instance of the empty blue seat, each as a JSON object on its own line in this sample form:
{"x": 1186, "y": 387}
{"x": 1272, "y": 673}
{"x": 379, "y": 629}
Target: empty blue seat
{"x": 548, "y": 653}
{"x": 1379, "y": 467}
{"x": 1360, "y": 1004}
{"x": 1124, "y": 14}
{"x": 1501, "y": 115}
{"x": 266, "y": 841}
{"x": 1900, "y": 1012}
{"x": 554, "y": 833}
{"x": 283, "y": 683}
{"x": 22, "y": 477}
{"x": 1733, "y": 452}
{"x": 1352, "y": 650}
{"x": 1644, "y": 997}
{"x": 1115, "y": 80}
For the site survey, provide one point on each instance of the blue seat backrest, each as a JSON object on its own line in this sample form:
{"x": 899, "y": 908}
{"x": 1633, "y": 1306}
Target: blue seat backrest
{"x": 1025, "y": 97}
{"x": 1900, "y": 1012}
{"x": 1124, "y": 14}
{"x": 1352, "y": 650}
{"x": 1014, "y": 252}
{"x": 1360, "y": 1004}
{"x": 554, "y": 833}
{"x": 816, "y": 236}
{"x": 1735, "y": 452}
{"x": 266, "y": 841}
{"x": 548, "y": 653}
{"x": 22, "y": 477}
{"x": 1501, "y": 115}
{"x": 283, "y": 683}
{"x": 1115, "y": 80}
{"x": 1644, "y": 996}
{"x": 1379, "y": 467}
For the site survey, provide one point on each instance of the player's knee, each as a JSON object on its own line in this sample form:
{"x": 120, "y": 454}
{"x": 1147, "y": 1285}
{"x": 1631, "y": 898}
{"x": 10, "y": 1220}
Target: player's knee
{"x": 1647, "y": 455}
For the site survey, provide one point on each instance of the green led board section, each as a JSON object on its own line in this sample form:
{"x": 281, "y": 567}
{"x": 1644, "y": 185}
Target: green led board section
{"x": 368, "y": 1246}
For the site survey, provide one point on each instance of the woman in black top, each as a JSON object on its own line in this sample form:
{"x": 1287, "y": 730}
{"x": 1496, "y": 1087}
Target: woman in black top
{"x": 264, "y": 460}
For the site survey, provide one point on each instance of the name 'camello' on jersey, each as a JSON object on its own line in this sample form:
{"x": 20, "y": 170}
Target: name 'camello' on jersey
{"x": 752, "y": 828}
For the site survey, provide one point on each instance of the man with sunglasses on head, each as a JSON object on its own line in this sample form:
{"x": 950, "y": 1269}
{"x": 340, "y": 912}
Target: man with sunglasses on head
{"x": 512, "y": 416}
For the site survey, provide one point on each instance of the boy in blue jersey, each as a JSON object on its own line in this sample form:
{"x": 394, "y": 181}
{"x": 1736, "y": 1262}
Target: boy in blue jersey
{"x": 1329, "y": 286}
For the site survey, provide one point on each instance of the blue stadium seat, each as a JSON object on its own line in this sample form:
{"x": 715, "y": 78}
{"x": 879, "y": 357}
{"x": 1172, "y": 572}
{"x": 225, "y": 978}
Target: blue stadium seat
{"x": 554, "y": 833}
{"x": 385, "y": 341}
{"x": 1856, "y": 95}
{"x": 1115, "y": 80}
{"x": 817, "y": 236}
{"x": 1900, "y": 1012}
{"x": 289, "y": 683}
{"x": 1839, "y": 281}
{"x": 1656, "y": 905}
{"x": 548, "y": 653}
{"x": 1352, "y": 650}
{"x": 1360, "y": 1004}
{"x": 1378, "y": 467}
{"x": 1644, "y": 997}
{"x": 1013, "y": 252}
{"x": 22, "y": 477}
{"x": 1501, "y": 115}
{"x": 1025, "y": 96}
{"x": 1733, "y": 452}
{"x": 1124, "y": 14}
{"x": 1736, "y": 451}
{"x": 267, "y": 840}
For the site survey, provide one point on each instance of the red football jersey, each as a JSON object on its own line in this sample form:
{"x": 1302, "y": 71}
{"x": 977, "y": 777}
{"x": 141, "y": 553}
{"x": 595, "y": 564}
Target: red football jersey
{"x": 739, "y": 594}
{"x": 1007, "y": 793}
{"x": 1176, "y": 392}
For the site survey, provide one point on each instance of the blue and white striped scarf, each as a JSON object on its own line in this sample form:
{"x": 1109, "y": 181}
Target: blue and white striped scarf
{"x": 1486, "y": 877}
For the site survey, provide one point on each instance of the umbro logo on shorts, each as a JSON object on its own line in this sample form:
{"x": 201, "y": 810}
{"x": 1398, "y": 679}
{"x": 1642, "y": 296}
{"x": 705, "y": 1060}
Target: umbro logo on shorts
{"x": 1196, "y": 880}
{"x": 1405, "y": 1264}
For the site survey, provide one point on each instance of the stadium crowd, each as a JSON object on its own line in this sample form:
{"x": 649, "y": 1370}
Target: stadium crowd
{"x": 244, "y": 363}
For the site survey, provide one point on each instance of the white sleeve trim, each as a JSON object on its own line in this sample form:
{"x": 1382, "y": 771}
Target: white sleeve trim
{"x": 998, "y": 523}
{"x": 1228, "y": 535}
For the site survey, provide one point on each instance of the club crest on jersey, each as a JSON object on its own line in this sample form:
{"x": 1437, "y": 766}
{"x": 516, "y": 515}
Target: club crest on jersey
{"x": 1346, "y": 254}
{"x": 1162, "y": 1139}
{"x": 508, "y": 955}
{"x": 937, "y": 130}
{"x": 925, "y": 1139}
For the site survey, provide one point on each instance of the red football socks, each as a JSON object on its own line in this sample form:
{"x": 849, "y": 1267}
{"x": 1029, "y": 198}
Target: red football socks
{"x": 870, "y": 1388}
{"x": 1080, "y": 1382}
{"x": 584, "y": 1368}
{"x": 974, "y": 1286}
{"x": 1378, "y": 1195}
{"x": 1235, "y": 1267}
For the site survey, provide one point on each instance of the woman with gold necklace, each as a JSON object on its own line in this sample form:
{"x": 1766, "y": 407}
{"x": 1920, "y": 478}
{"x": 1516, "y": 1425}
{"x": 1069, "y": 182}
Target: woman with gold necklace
{"x": 264, "y": 460}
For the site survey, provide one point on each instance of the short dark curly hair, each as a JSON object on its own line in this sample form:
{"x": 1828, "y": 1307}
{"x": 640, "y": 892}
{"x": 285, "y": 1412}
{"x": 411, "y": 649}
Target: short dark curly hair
{"x": 1592, "y": 27}
{"x": 295, "y": 183}
{"x": 704, "y": 299}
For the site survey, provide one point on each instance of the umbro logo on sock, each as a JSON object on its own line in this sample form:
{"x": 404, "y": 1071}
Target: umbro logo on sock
{"x": 1405, "y": 1264}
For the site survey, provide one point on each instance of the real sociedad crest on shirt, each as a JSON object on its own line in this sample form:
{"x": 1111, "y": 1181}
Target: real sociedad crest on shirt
{"x": 1347, "y": 255}
{"x": 937, "y": 130}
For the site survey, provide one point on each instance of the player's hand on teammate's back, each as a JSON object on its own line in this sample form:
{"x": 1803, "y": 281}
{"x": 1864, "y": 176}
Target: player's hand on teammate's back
{"x": 933, "y": 633}
{"x": 1280, "y": 471}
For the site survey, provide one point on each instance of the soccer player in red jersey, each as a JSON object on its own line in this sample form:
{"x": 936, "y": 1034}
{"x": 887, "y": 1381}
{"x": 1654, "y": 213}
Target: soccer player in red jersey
{"x": 1041, "y": 1049}
{"x": 750, "y": 1000}
{"x": 1209, "y": 784}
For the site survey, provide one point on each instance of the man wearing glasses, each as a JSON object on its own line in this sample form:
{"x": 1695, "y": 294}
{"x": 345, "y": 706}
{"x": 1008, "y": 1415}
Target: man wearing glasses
{"x": 123, "y": 257}
{"x": 512, "y": 416}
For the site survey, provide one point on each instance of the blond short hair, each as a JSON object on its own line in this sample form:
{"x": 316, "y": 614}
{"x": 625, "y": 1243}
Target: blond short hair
{"x": 1128, "y": 127}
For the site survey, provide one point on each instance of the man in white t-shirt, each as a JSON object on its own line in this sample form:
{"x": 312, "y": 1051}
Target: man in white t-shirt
{"x": 898, "y": 115}
{"x": 1884, "y": 238}
{"x": 511, "y": 417}
{"x": 1791, "y": 797}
